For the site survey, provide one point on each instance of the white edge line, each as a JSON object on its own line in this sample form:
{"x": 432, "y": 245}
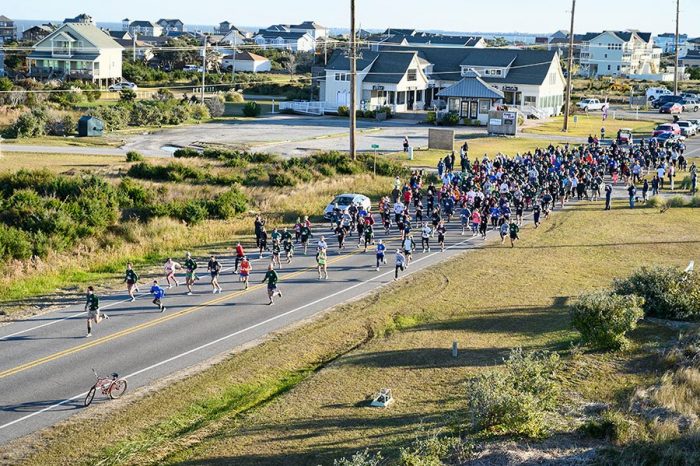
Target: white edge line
{"x": 219, "y": 340}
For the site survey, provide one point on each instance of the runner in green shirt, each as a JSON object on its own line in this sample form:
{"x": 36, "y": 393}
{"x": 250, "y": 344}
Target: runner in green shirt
{"x": 322, "y": 261}
{"x": 130, "y": 278}
{"x": 271, "y": 278}
{"x": 92, "y": 307}
{"x": 514, "y": 229}
{"x": 190, "y": 275}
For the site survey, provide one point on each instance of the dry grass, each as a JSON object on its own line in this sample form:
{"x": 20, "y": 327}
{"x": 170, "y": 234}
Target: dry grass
{"x": 67, "y": 141}
{"x": 591, "y": 124}
{"x": 489, "y": 301}
{"x": 59, "y": 163}
{"x": 680, "y": 391}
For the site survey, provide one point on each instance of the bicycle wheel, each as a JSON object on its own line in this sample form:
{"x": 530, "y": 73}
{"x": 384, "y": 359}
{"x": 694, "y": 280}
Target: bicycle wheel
{"x": 90, "y": 396}
{"x": 117, "y": 389}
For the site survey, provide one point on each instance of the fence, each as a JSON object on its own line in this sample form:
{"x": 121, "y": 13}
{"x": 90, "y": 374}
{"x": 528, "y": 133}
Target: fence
{"x": 307, "y": 108}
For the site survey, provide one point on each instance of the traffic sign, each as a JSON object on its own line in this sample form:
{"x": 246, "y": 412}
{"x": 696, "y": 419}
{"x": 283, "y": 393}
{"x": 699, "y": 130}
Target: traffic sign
{"x": 375, "y": 146}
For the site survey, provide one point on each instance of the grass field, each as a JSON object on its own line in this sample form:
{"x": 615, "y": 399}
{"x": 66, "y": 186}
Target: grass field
{"x": 478, "y": 146}
{"x": 89, "y": 141}
{"x": 12, "y": 161}
{"x": 591, "y": 125}
{"x": 269, "y": 406}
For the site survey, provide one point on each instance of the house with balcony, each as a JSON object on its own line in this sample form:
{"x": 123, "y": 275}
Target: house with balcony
{"x": 8, "y": 30}
{"x": 145, "y": 28}
{"x": 77, "y": 51}
{"x": 409, "y": 78}
{"x": 619, "y": 53}
{"x": 312, "y": 28}
{"x": 292, "y": 41}
{"x": 667, "y": 42}
{"x": 171, "y": 25}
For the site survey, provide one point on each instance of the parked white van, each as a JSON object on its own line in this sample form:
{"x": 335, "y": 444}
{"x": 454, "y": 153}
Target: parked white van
{"x": 654, "y": 93}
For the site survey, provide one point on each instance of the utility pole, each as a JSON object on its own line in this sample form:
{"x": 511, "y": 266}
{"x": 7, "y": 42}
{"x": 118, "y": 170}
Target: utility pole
{"x": 134, "y": 55}
{"x": 569, "y": 70}
{"x": 353, "y": 81}
{"x": 675, "y": 68}
{"x": 204, "y": 64}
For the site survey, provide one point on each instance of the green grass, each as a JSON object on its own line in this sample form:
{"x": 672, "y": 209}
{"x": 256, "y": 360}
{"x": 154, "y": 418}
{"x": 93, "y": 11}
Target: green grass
{"x": 489, "y": 301}
{"x": 591, "y": 124}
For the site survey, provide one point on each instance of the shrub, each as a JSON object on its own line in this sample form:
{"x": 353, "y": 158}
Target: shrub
{"x": 192, "y": 212}
{"x": 28, "y": 125}
{"x": 127, "y": 95}
{"x": 431, "y": 118}
{"x": 114, "y": 117}
{"x": 147, "y": 113}
{"x": 186, "y": 153}
{"x": 343, "y": 111}
{"x": 668, "y": 292}
{"x": 450, "y": 119}
{"x": 282, "y": 179}
{"x": 215, "y": 105}
{"x": 227, "y": 205}
{"x": 361, "y": 458}
{"x": 199, "y": 112}
{"x": 251, "y": 109}
{"x": 163, "y": 95}
{"x": 133, "y": 156}
{"x": 178, "y": 114}
{"x": 604, "y": 318}
{"x": 254, "y": 176}
{"x": 514, "y": 401}
{"x": 234, "y": 97}
{"x": 14, "y": 243}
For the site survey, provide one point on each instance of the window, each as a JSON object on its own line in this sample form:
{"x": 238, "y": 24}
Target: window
{"x": 531, "y": 100}
{"x": 552, "y": 78}
{"x": 412, "y": 75}
{"x": 400, "y": 98}
{"x": 342, "y": 76}
{"x": 419, "y": 96}
{"x": 608, "y": 67}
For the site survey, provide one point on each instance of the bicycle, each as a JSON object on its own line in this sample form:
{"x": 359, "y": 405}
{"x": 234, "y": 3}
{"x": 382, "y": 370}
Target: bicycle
{"x": 112, "y": 386}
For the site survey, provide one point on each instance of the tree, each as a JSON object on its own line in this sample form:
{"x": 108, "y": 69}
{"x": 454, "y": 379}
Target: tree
{"x": 290, "y": 64}
{"x": 127, "y": 95}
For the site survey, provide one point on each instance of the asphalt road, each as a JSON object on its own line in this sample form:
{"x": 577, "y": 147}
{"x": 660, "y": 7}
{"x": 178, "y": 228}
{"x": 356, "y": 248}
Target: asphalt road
{"x": 46, "y": 366}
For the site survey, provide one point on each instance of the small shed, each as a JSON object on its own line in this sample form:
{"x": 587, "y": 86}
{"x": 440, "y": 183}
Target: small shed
{"x": 90, "y": 126}
{"x": 472, "y": 98}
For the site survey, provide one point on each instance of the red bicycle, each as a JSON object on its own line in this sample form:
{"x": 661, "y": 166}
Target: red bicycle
{"x": 112, "y": 386}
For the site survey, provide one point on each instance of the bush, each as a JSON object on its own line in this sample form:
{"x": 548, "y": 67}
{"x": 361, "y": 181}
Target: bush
{"x": 163, "y": 95}
{"x": 14, "y": 243}
{"x": 114, "y": 117}
{"x": 254, "y": 176}
{"x": 133, "y": 156}
{"x": 187, "y": 153}
{"x": 28, "y": 125}
{"x": 604, "y": 318}
{"x": 215, "y": 105}
{"x": 343, "y": 111}
{"x": 667, "y": 292}
{"x": 450, "y": 119}
{"x": 282, "y": 179}
{"x": 514, "y": 401}
{"x": 251, "y": 109}
{"x": 199, "y": 112}
{"x": 127, "y": 95}
{"x": 191, "y": 212}
{"x": 361, "y": 458}
{"x": 61, "y": 125}
{"x": 234, "y": 97}
{"x": 431, "y": 118}
{"x": 227, "y": 205}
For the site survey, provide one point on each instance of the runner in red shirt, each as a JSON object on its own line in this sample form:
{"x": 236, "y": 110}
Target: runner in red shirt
{"x": 240, "y": 254}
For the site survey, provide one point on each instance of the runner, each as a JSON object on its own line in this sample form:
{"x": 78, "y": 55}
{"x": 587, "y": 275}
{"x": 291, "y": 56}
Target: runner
{"x": 369, "y": 236}
{"x": 441, "y": 231}
{"x": 321, "y": 262}
{"x": 214, "y": 269}
{"x": 305, "y": 234}
{"x": 276, "y": 250}
{"x": 476, "y": 221}
{"x": 381, "y": 250}
{"x": 244, "y": 271}
{"x": 92, "y": 307}
{"x": 259, "y": 225}
{"x": 190, "y": 275}
{"x": 425, "y": 234}
{"x": 505, "y": 228}
{"x": 408, "y": 247}
{"x": 271, "y": 278}
{"x": 240, "y": 254}
{"x": 288, "y": 246}
{"x": 170, "y": 267}
{"x": 130, "y": 278}
{"x": 464, "y": 218}
{"x": 158, "y": 294}
{"x": 514, "y": 229}
{"x": 536, "y": 211}
{"x": 262, "y": 241}
{"x": 400, "y": 263}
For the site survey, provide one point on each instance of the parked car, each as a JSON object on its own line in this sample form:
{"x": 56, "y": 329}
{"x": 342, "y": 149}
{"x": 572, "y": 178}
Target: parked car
{"x": 673, "y": 108}
{"x": 670, "y": 128}
{"x": 668, "y": 139}
{"x": 198, "y": 69}
{"x": 690, "y": 95}
{"x": 654, "y": 93}
{"x": 687, "y": 128}
{"x": 690, "y": 105}
{"x": 695, "y": 122}
{"x": 120, "y": 86}
{"x": 664, "y": 99}
{"x": 346, "y": 200}
{"x": 588, "y": 105}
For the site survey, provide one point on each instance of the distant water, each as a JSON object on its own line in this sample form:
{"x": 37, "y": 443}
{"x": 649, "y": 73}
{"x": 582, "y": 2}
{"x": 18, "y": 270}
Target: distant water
{"x": 24, "y": 24}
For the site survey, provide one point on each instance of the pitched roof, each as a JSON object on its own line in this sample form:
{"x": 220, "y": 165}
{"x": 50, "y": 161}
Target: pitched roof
{"x": 308, "y": 25}
{"x": 247, "y": 56}
{"x": 89, "y": 32}
{"x": 526, "y": 66}
{"x": 471, "y": 86}
{"x": 390, "y": 67}
{"x": 141, "y": 23}
{"x": 283, "y": 35}
{"x": 339, "y": 61}
{"x": 5, "y": 19}
{"x": 169, "y": 21}
{"x": 624, "y": 36}
{"x": 404, "y": 32}
{"x": 433, "y": 39}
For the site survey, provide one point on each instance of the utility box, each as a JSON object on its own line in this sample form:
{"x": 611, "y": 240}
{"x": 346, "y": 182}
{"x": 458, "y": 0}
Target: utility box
{"x": 442, "y": 139}
{"x": 90, "y": 126}
{"x": 503, "y": 123}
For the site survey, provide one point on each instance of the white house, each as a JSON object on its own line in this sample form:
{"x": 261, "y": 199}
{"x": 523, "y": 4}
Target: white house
{"x": 171, "y": 25}
{"x": 79, "y": 51}
{"x": 531, "y": 80}
{"x": 232, "y": 37}
{"x": 145, "y": 28}
{"x": 312, "y": 28}
{"x": 245, "y": 61}
{"x": 293, "y": 41}
{"x": 619, "y": 53}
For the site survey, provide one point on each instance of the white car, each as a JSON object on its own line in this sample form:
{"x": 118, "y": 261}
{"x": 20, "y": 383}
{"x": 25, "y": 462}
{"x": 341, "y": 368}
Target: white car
{"x": 198, "y": 69}
{"x": 687, "y": 128}
{"x": 654, "y": 93}
{"x": 116, "y": 87}
{"x": 590, "y": 104}
{"x": 346, "y": 200}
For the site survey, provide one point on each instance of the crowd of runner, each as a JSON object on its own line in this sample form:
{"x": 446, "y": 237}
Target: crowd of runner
{"x": 479, "y": 195}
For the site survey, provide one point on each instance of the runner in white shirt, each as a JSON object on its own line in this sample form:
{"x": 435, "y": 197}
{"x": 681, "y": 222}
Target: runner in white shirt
{"x": 425, "y": 234}
{"x": 169, "y": 268}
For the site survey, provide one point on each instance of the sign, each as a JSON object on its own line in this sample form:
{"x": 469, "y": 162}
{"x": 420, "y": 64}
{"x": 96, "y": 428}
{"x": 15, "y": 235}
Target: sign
{"x": 510, "y": 88}
{"x": 495, "y": 122}
{"x": 377, "y": 88}
{"x": 509, "y": 115}
{"x": 375, "y": 146}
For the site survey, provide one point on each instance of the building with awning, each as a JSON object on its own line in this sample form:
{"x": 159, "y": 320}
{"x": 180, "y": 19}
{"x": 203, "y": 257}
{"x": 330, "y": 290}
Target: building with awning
{"x": 471, "y": 98}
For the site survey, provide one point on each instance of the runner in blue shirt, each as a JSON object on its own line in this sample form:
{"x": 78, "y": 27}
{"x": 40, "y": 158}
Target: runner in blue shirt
{"x": 381, "y": 249}
{"x": 158, "y": 294}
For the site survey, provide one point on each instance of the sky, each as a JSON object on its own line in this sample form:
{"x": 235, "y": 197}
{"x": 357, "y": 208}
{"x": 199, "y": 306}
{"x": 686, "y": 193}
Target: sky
{"x": 532, "y": 16}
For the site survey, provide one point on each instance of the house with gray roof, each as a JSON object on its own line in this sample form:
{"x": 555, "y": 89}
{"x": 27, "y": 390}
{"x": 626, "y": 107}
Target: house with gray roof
{"x": 438, "y": 40}
{"x": 529, "y": 79}
{"x": 8, "y": 30}
{"x": 145, "y": 28}
{"x": 36, "y": 33}
{"x": 292, "y": 41}
{"x": 472, "y": 98}
{"x": 171, "y": 25}
{"x": 312, "y": 28}
{"x": 77, "y": 51}
{"x": 619, "y": 53}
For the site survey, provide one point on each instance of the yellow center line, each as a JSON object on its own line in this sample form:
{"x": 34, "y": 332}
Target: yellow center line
{"x": 160, "y": 320}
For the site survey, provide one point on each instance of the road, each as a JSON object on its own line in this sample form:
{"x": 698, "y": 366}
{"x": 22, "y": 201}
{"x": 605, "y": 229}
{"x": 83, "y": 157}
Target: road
{"x": 46, "y": 365}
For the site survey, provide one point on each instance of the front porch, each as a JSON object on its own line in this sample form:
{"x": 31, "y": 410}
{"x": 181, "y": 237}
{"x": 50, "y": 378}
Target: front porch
{"x": 397, "y": 100}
